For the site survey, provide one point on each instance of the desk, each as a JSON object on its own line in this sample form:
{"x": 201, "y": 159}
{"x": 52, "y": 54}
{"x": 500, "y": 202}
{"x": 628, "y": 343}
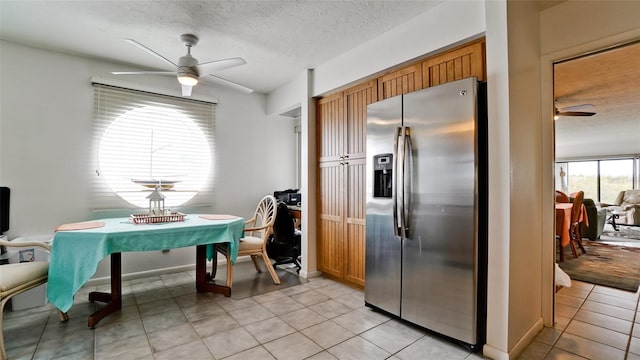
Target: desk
{"x": 296, "y": 213}
{"x": 563, "y": 223}
{"x": 76, "y": 254}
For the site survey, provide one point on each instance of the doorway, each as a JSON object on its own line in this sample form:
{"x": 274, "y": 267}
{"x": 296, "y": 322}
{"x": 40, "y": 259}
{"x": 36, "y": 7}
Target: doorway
{"x": 597, "y": 122}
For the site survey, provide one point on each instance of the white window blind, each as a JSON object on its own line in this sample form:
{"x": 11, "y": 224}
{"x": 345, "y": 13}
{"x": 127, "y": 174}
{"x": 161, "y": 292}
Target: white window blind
{"x": 143, "y": 140}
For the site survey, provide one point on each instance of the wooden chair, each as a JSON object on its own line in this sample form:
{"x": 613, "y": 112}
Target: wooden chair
{"x": 575, "y": 229}
{"x": 254, "y": 242}
{"x": 561, "y": 197}
{"x": 18, "y": 278}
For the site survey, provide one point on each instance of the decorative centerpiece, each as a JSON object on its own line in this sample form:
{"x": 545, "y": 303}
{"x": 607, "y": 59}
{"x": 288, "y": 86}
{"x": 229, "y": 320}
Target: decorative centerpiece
{"x": 156, "y": 202}
{"x": 157, "y": 212}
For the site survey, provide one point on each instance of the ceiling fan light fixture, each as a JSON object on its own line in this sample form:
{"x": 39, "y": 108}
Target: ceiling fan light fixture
{"x": 187, "y": 78}
{"x": 188, "y": 70}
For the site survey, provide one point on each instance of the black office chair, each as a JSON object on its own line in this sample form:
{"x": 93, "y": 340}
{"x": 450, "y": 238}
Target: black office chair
{"x": 284, "y": 244}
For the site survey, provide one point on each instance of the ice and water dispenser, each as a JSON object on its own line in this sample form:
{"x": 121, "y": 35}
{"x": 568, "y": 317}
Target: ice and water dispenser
{"x": 382, "y": 175}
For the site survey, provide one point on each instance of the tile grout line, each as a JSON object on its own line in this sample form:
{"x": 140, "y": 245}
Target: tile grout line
{"x": 633, "y": 325}
{"x": 568, "y": 323}
{"x": 44, "y": 328}
{"x": 630, "y": 335}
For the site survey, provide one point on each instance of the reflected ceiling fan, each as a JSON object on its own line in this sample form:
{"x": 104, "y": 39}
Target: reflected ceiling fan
{"x": 577, "y": 110}
{"x": 188, "y": 70}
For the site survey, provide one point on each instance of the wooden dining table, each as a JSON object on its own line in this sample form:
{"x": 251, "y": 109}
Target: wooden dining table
{"x": 79, "y": 247}
{"x": 563, "y": 223}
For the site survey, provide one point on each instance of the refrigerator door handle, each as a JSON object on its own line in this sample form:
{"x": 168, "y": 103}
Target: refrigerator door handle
{"x": 407, "y": 176}
{"x": 394, "y": 181}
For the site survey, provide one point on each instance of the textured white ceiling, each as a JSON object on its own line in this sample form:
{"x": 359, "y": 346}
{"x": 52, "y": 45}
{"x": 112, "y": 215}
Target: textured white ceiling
{"x": 278, "y": 39}
{"x": 606, "y": 83}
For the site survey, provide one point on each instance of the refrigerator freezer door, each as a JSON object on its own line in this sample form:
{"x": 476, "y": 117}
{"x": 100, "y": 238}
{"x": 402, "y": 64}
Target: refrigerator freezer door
{"x": 383, "y": 248}
{"x": 439, "y": 290}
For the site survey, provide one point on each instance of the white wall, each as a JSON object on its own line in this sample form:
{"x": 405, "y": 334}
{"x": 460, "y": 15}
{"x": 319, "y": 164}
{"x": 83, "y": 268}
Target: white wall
{"x": 287, "y": 96}
{"x": 46, "y": 108}
{"x": 499, "y": 180}
{"x": 524, "y": 163}
{"x": 446, "y": 25}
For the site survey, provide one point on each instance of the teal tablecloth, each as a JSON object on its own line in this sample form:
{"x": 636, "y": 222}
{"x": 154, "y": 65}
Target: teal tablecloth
{"x": 76, "y": 254}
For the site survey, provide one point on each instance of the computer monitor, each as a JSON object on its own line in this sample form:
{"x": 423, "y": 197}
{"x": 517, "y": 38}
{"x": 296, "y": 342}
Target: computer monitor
{"x": 4, "y": 209}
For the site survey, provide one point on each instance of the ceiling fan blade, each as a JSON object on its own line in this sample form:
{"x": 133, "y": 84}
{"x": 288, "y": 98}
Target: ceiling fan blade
{"x": 575, "y": 113}
{"x": 186, "y": 90}
{"x": 218, "y": 80}
{"x": 219, "y": 65}
{"x": 581, "y": 107}
{"x": 151, "y": 52}
{"x": 144, "y": 73}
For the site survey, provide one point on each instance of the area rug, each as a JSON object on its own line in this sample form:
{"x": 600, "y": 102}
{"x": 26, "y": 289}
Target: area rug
{"x": 604, "y": 264}
{"x": 624, "y": 232}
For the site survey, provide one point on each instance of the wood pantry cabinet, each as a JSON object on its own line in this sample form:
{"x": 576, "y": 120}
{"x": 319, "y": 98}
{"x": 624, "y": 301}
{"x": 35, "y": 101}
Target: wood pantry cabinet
{"x": 342, "y": 122}
{"x": 454, "y": 65}
{"x": 400, "y": 82}
{"x": 341, "y": 141}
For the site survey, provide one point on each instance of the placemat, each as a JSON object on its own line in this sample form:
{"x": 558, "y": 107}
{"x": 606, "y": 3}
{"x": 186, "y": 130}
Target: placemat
{"x": 218, "y": 217}
{"x": 80, "y": 226}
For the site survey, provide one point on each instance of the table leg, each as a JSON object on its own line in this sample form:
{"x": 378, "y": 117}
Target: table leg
{"x": 612, "y": 221}
{"x": 202, "y": 278}
{"x": 113, "y": 300}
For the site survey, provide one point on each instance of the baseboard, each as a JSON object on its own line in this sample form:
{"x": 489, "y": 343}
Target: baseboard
{"x": 490, "y": 352}
{"x": 497, "y": 354}
{"x": 310, "y": 274}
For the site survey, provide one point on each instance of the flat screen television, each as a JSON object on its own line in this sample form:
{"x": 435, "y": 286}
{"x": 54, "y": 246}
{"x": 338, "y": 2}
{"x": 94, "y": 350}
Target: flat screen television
{"x": 4, "y": 209}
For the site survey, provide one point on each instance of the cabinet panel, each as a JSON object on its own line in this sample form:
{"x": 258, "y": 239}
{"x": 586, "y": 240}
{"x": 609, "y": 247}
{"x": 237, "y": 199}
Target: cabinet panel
{"x": 355, "y": 251}
{"x": 356, "y": 101}
{"x": 455, "y": 65}
{"x": 330, "y": 249}
{"x": 356, "y": 203}
{"x": 330, "y": 219}
{"x": 355, "y": 221}
{"x": 400, "y": 82}
{"x": 331, "y": 127}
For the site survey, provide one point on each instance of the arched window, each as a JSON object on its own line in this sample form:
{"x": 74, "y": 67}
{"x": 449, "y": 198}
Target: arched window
{"x": 145, "y": 140}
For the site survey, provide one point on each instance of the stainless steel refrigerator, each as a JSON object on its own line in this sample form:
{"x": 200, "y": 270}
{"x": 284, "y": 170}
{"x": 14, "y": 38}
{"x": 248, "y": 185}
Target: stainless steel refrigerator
{"x": 426, "y": 209}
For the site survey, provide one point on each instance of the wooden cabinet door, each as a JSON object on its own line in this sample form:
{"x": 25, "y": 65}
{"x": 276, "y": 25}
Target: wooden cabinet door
{"x": 331, "y": 127}
{"x": 355, "y": 213}
{"x": 341, "y": 224}
{"x": 356, "y": 101}
{"x": 331, "y": 218}
{"x": 400, "y": 82}
{"x": 341, "y": 181}
{"x": 455, "y": 65}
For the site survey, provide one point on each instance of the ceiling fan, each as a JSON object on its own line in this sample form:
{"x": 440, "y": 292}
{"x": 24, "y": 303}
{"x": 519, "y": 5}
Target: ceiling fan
{"x": 577, "y": 110}
{"x": 188, "y": 70}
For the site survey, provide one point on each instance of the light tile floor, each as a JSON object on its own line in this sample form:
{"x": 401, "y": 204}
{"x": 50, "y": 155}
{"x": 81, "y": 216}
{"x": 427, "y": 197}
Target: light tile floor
{"x": 592, "y": 322}
{"x": 164, "y": 318}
